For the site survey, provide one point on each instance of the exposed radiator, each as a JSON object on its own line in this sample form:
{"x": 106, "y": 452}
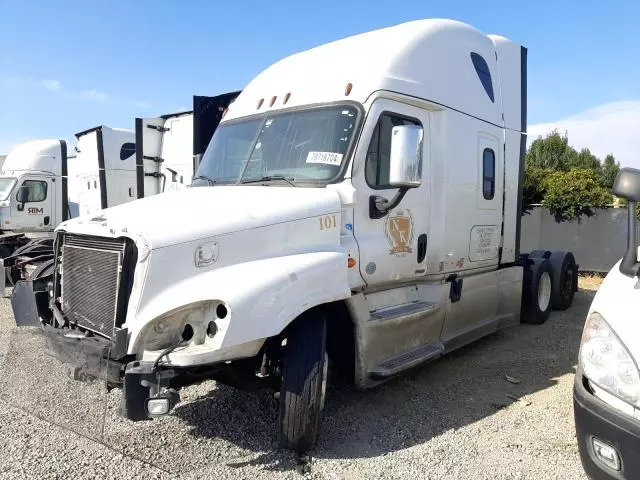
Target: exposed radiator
{"x": 90, "y": 281}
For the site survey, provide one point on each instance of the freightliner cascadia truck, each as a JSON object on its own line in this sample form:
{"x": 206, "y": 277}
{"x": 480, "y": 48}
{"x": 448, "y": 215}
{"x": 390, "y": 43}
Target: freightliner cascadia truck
{"x": 357, "y": 211}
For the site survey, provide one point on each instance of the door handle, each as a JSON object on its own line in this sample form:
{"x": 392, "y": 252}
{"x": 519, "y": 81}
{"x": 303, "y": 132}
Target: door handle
{"x": 46, "y": 220}
{"x": 422, "y": 247}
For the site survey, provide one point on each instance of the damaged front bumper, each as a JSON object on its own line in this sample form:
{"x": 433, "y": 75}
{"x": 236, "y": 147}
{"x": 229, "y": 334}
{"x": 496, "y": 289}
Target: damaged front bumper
{"x": 93, "y": 358}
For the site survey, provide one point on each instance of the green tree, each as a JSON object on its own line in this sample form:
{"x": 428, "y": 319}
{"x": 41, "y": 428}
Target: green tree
{"x": 610, "y": 169}
{"x": 552, "y": 152}
{"x": 534, "y": 185}
{"x": 586, "y": 159}
{"x": 570, "y": 195}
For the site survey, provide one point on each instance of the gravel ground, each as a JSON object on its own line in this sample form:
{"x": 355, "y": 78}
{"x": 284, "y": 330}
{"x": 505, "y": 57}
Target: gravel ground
{"x": 458, "y": 418}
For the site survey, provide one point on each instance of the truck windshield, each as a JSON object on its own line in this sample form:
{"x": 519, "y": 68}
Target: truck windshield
{"x": 6, "y": 185}
{"x": 304, "y": 145}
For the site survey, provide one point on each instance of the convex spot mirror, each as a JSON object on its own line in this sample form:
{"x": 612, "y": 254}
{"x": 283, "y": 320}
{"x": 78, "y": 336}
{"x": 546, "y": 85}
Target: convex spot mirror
{"x": 405, "y": 162}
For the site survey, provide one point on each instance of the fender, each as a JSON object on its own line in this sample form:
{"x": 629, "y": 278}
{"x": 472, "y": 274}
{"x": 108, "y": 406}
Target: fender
{"x": 262, "y": 297}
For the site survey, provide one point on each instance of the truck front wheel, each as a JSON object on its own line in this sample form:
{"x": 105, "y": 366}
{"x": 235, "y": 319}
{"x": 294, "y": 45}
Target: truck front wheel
{"x": 304, "y": 379}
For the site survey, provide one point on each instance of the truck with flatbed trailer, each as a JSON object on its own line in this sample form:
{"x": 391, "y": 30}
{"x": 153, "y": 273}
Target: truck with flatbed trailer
{"x": 357, "y": 211}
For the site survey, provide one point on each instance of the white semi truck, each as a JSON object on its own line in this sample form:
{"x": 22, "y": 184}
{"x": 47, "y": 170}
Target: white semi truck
{"x": 358, "y": 206}
{"x": 173, "y": 144}
{"x": 41, "y": 185}
{"x": 111, "y": 166}
{"x": 606, "y": 394}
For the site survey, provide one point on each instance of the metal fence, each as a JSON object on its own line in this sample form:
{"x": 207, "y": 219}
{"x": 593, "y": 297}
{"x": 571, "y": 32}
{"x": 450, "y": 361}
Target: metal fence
{"x": 597, "y": 242}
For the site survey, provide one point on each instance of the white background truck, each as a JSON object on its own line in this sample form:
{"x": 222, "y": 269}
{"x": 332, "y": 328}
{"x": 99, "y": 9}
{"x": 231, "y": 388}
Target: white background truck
{"x": 41, "y": 185}
{"x": 358, "y": 207}
{"x": 170, "y": 146}
{"x": 112, "y": 166}
{"x": 606, "y": 395}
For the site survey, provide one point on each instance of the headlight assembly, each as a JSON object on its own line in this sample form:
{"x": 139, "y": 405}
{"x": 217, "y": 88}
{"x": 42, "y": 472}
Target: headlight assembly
{"x": 606, "y": 362}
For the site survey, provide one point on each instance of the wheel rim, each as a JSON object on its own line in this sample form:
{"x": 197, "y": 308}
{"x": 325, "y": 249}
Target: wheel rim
{"x": 544, "y": 291}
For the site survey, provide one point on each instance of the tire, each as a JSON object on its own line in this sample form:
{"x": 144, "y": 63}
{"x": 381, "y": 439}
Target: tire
{"x": 304, "y": 379}
{"x": 5, "y": 251}
{"x": 540, "y": 254}
{"x": 536, "y": 291}
{"x": 565, "y": 279}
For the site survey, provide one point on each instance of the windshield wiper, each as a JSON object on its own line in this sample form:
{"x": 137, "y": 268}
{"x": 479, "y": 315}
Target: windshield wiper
{"x": 268, "y": 179}
{"x": 210, "y": 180}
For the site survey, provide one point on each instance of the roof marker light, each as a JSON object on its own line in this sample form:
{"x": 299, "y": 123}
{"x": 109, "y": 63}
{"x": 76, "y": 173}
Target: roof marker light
{"x": 273, "y": 100}
{"x": 347, "y": 90}
{"x": 260, "y": 102}
{"x": 286, "y": 98}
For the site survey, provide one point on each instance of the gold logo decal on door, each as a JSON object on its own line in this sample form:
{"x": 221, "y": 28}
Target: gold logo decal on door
{"x": 399, "y": 231}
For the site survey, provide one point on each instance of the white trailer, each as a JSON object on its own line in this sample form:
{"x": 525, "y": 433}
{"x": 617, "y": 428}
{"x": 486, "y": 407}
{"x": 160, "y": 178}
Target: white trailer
{"x": 359, "y": 204}
{"x": 170, "y": 146}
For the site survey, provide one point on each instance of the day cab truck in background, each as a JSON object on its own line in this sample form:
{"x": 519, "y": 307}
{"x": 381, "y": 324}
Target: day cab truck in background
{"x": 111, "y": 166}
{"x": 358, "y": 207}
{"x": 42, "y": 185}
{"x": 606, "y": 394}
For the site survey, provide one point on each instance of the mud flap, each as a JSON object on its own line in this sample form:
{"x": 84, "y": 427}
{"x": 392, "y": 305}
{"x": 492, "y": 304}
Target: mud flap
{"x": 24, "y": 304}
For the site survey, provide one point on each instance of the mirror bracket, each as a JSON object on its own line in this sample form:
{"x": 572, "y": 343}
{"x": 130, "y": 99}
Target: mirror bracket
{"x": 379, "y": 206}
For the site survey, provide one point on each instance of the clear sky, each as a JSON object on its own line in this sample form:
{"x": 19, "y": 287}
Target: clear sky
{"x": 68, "y": 65}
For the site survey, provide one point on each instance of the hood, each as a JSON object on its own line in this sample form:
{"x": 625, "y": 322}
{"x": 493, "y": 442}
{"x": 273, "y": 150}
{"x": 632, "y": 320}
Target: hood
{"x": 200, "y": 212}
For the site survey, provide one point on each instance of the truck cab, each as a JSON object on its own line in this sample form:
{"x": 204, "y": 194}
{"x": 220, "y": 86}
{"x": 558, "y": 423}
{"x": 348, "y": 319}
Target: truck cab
{"x": 358, "y": 206}
{"x": 606, "y": 394}
{"x": 33, "y": 187}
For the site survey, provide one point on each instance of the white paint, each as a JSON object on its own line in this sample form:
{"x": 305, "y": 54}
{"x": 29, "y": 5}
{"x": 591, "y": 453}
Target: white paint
{"x": 277, "y": 256}
{"x": 617, "y": 300}
{"x": 174, "y": 146}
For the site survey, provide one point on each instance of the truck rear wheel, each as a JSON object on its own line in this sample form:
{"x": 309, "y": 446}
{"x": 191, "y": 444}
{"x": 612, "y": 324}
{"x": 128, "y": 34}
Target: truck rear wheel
{"x": 304, "y": 379}
{"x": 565, "y": 279}
{"x": 537, "y": 288}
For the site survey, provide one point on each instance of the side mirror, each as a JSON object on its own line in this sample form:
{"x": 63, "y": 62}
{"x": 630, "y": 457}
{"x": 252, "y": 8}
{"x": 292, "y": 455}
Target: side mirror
{"x": 405, "y": 162}
{"x": 627, "y": 186}
{"x": 22, "y": 195}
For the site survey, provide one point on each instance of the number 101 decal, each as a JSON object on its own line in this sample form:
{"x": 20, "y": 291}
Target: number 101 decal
{"x": 327, "y": 222}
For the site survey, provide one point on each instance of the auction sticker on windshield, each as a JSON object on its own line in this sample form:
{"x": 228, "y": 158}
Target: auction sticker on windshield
{"x": 327, "y": 158}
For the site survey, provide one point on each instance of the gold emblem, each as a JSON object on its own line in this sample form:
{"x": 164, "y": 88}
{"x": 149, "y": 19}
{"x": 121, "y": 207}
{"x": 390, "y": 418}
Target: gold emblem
{"x": 399, "y": 231}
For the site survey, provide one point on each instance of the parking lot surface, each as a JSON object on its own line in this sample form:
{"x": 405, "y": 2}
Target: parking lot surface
{"x": 500, "y": 408}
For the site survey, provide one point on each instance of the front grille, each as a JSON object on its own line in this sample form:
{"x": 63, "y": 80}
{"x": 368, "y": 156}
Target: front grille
{"x": 90, "y": 281}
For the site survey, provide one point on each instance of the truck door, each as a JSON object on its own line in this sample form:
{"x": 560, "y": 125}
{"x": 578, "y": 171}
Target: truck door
{"x": 37, "y": 211}
{"x": 395, "y": 247}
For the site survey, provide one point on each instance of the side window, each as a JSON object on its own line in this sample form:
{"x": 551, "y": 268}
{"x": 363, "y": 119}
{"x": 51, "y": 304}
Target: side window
{"x": 482, "y": 69}
{"x": 488, "y": 174}
{"x": 379, "y": 153}
{"x": 37, "y": 190}
{"x": 127, "y": 150}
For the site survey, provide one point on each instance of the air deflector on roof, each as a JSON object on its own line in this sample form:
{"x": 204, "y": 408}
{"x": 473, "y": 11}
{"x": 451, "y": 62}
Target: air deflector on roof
{"x": 482, "y": 69}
